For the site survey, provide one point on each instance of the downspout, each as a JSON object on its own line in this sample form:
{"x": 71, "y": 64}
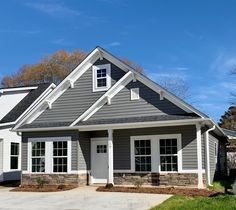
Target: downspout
{"x": 208, "y": 178}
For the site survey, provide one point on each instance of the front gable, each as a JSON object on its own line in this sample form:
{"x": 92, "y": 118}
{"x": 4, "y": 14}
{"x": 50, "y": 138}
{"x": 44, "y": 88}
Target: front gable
{"x": 75, "y": 101}
{"x": 149, "y": 103}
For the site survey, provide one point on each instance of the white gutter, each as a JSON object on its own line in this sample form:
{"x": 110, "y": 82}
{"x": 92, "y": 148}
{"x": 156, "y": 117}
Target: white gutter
{"x": 208, "y": 177}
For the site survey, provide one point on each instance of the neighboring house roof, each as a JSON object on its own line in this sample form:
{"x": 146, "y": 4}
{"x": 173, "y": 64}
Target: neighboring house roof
{"x": 230, "y": 133}
{"x": 131, "y": 74}
{"x": 35, "y": 93}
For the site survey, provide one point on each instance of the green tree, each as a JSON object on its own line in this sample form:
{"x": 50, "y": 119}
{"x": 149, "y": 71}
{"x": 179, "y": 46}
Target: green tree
{"x": 228, "y": 120}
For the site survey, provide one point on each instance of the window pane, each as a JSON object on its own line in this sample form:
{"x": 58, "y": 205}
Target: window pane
{"x": 14, "y": 162}
{"x": 38, "y": 164}
{"x": 14, "y": 148}
{"x": 143, "y": 163}
{"x": 102, "y": 82}
{"x": 59, "y": 159}
{"x": 59, "y": 164}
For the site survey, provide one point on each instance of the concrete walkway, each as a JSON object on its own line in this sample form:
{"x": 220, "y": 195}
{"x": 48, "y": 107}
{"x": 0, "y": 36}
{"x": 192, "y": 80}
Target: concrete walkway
{"x": 84, "y": 198}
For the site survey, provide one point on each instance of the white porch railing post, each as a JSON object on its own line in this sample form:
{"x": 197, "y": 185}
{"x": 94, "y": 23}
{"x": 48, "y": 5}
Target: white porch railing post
{"x": 110, "y": 179}
{"x": 199, "y": 155}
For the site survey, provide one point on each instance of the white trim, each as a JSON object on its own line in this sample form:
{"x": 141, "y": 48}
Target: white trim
{"x": 3, "y": 90}
{"x": 155, "y": 152}
{"x": 150, "y": 83}
{"x": 47, "y": 91}
{"x": 102, "y": 100}
{"x": 34, "y": 104}
{"x": 108, "y": 77}
{"x": 119, "y": 125}
{"x": 62, "y": 87}
{"x": 110, "y": 179}
{"x": 92, "y": 179}
{"x": 199, "y": 155}
{"x": 49, "y": 154}
{"x": 139, "y": 124}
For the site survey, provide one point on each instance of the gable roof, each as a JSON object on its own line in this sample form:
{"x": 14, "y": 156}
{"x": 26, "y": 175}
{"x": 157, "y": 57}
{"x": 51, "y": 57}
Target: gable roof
{"x": 68, "y": 82}
{"x": 21, "y": 107}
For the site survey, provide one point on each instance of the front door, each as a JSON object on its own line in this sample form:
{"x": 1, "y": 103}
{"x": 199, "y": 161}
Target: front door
{"x": 99, "y": 161}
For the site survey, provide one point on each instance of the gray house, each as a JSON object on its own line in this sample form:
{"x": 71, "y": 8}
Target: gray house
{"x": 107, "y": 123}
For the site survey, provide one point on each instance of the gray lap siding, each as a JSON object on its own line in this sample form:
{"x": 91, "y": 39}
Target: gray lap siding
{"x": 75, "y": 101}
{"x": 74, "y": 146}
{"x": 121, "y": 142}
{"x": 80, "y": 151}
{"x": 149, "y": 104}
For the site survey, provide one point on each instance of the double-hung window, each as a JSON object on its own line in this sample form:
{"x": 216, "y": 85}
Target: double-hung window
{"x": 142, "y": 154}
{"x": 101, "y": 77}
{"x": 14, "y": 155}
{"x": 168, "y": 154}
{"x": 50, "y": 154}
{"x": 60, "y": 156}
{"x": 38, "y": 157}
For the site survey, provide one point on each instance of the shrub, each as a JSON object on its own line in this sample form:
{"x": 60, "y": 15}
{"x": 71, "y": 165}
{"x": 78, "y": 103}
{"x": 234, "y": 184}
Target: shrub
{"x": 109, "y": 185}
{"x": 41, "y": 182}
{"x": 138, "y": 183}
{"x": 61, "y": 187}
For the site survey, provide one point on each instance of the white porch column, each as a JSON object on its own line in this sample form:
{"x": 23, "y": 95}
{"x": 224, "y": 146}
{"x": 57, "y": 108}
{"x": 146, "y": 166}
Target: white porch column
{"x": 110, "y": 179}
{"x": 199, "y": 155}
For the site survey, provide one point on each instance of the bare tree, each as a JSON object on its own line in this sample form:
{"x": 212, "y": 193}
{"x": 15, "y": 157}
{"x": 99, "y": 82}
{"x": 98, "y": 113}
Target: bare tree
{"x": 175, "y": 85}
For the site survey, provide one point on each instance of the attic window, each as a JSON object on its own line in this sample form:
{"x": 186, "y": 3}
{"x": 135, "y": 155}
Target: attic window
{"x": 101, "y": 77}
{"x": 134, "y": 94}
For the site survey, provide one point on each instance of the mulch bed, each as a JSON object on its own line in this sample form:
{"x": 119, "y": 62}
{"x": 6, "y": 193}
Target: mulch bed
{"x": 47, "y": 188}
{"x": 165, "y": 190}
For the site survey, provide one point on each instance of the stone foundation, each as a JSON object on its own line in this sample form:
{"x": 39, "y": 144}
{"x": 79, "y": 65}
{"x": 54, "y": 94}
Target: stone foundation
{"x": 56, "y": 179}
{"x": 156, "y": 179}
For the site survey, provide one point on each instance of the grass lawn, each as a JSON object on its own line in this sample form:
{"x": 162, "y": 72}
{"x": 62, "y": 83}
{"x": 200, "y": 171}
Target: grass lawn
{"x": 227, "y": 202}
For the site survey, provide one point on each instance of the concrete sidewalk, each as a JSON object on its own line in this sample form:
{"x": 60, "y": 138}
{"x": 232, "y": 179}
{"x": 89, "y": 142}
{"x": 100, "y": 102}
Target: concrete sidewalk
{"x": 83, "y": 198}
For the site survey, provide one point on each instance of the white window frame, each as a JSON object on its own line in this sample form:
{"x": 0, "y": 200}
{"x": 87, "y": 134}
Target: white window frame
{"x": 59, "y": 157}
{"x": 18, "y": 156}
{"x": 134, "y": 94}
{"x": 155, "y": 152}
{"x": 142, "y": 155}
{"x": 108, "y": 77}
{"x": 35, "y": 157}
{"x": 179, "y": 151}
{"x": 49, "y": 154}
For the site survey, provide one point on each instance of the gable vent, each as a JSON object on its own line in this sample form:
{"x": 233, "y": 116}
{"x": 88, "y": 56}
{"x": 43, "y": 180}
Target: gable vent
{"x": 134, "y": 94}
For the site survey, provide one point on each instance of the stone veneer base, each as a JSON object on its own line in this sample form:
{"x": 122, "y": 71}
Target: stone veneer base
{"x": 152, "y": 179}
{"x": 56, "y": 179}
{"x": 156, "y": 179}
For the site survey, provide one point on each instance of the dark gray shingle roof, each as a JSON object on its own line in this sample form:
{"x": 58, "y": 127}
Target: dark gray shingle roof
{"x": 45, "y": 125}
{"x": 136, "y": 119}
{"x": 24, "y": 104}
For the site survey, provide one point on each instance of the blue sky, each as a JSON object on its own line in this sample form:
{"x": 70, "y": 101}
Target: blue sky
{"x": 191, "y": 40}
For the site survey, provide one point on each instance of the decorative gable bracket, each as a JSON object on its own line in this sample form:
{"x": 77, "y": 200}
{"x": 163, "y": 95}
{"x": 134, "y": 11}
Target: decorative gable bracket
{"x": 108, "y": 100}
{"x": 72, "y": 83}
{"x": 161, "y": 95}
{"x": 49, "y": 103}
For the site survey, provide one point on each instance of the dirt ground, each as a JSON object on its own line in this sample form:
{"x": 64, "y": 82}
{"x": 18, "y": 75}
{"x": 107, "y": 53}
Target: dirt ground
{"x": 157, "y": 190}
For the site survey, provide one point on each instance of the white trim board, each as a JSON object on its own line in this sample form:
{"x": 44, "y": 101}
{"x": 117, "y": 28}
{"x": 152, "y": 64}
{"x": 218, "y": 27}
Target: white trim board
{"x": 107, "y": 96}
{"x": 121, "y": 125}
{"x": 97, "y": 53}
{"x": 155, "y": 152}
